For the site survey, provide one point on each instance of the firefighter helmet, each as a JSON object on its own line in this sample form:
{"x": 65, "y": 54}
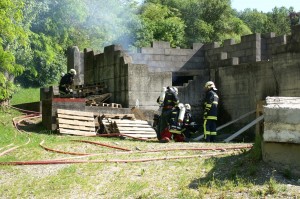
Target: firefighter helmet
{"x": 175, "y": 90}
{"x": 210, "y": 85}
{"x": 72, "y": 71}
{"x": 187, "y": 107}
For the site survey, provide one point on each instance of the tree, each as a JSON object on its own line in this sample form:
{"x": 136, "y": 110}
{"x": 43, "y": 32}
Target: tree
{"x": 12, "y": 36}
{"x": 207, "y": 20}
{"x": 160, "y": 23}
{"x": 276, "y": 21}
{"x": 256, "y": 21}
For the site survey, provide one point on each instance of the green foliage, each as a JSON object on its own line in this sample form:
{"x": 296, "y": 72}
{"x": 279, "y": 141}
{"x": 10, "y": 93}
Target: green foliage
{"x": 207, "y": 20}
{"x": 276, "y": 21}
{"x": 34, "y": 34}
{"x": 162, "y": 24}
{"x": 12, "y": 35}
{"x": 255, "y": 20}
{"x": 256, "y": 151}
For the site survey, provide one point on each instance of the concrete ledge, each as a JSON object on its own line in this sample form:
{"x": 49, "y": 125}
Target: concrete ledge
{"x": 282, "y": 156}
{"x": 283, "y": 110}
{"x": 280, "y": 132}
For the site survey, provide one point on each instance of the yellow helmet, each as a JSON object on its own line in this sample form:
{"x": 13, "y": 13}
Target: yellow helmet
{"x": 210, "y": 85}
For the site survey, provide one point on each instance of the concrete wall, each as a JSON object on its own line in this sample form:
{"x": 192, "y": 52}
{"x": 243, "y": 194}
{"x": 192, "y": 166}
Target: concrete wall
{"x": 281, "y": 136}
{"x": 245, "y": 73}
{"x": 75, "y": 60}
{"x": 160, "y": 57}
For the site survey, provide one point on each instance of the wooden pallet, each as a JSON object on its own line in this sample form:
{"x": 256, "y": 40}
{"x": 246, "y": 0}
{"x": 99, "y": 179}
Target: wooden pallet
{"x": 134, "y": 128}
{"x": 105, "y": 121}
{"x": 76, "y": 122}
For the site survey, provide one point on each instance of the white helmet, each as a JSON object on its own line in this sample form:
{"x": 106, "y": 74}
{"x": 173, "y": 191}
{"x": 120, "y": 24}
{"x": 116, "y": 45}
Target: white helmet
{"x": 175, "y": 90}
{"x": 187, "y": 106}
{"x": 210, "y": 85}
{"x": 72, "y": 71}
{"x": 180, "y": 105}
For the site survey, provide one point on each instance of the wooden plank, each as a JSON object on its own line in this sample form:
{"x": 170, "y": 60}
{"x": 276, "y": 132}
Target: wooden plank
{"x": 134, "y": 125}
{"x": 138, "y": 113}
{"x": 83, "y": 128}
{"x": 74, "y": 117}
{"x": 75, "y": 122}
{"x": 71, "y": 112}
{"x": 118, "y": 115}
{"x": 244, "y": 128}
{"x": 225, "y": 125}
{"x": 134, "y": 129}
{"x": 76, "y": 132}
{"x": 138, "y": 132}
{"x": 129, "y": 121}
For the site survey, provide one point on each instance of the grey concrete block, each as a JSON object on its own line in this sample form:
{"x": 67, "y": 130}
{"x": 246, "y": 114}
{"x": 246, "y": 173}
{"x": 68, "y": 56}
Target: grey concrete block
{"x": 228, "y": 42}
{"x": 223, "y": 55}
{"x": 160, "y": 44}
{"x": 281, "y": 132}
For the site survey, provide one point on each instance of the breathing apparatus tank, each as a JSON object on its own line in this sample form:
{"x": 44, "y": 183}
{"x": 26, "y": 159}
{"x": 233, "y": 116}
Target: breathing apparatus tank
{"x": 181, "y": 112}
{"x": 162, "y": 95}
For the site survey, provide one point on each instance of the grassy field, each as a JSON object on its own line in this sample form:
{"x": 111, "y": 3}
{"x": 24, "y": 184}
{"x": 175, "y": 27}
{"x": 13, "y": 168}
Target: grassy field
{"x": 25, "y": 95}
{"x": 232, "y": 174}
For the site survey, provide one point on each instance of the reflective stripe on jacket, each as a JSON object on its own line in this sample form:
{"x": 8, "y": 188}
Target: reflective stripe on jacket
{"x": 211, "y": 105}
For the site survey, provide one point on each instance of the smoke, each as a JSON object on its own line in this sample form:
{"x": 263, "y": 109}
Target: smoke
{"x": 111, "y": 22}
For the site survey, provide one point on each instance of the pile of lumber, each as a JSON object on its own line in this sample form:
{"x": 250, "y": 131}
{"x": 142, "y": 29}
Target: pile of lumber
{"x": 76, "y": 122}
{"x": 97, "y": 100}
{"x": 90, "y": 89}
{"x": 126, "y": 124}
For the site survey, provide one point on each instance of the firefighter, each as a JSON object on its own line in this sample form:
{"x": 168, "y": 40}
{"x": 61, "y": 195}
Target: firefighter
{"x": 169, "y": 103}
{"x": 66, "y": 82}
{"x": 189, "y": 127}
{"x": 210, "y": 112}
{"x": 176, "y": 123}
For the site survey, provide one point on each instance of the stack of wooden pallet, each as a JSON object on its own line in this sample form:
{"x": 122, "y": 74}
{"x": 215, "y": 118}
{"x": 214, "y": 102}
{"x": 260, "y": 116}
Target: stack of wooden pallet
{"x": 125, "y": 124}
{"x": 76, "y": 122}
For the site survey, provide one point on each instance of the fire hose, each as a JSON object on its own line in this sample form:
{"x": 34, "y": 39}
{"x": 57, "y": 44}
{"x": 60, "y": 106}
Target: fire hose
{"x": 44, "y": 162}
{"x": 16, "y": 124}
{"x": 149, "y": 151}
{"x": 120, "y": 135}
{"x": 101, "y": 144}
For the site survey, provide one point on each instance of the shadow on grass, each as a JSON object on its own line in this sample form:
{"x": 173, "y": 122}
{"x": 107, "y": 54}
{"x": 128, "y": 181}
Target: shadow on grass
{"x": 240, "y": 169}
{"x": 36, "y": 127}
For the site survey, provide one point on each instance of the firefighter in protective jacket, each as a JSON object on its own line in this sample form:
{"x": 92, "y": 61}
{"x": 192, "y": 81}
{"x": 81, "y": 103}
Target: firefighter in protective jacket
{"x": 210, "y": 112}
{"x": 66, "y": 82}
{"x": 169, "y": 102}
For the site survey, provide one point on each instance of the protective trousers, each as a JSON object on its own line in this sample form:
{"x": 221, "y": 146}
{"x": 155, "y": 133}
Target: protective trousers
{"x": 163, "y": 120}
{"x": 210, "y": 130}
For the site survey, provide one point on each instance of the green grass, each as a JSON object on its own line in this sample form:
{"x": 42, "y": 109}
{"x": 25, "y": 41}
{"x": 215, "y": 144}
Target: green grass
{"x": 225, "y": 176}
{"x": 25, "y": 95}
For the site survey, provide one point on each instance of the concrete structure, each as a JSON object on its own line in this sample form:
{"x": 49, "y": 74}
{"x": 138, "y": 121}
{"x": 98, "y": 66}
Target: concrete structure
{"x": 281, "y": 137}
{"x": 261, "y": 65}
{"x": 245, "y": 74}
